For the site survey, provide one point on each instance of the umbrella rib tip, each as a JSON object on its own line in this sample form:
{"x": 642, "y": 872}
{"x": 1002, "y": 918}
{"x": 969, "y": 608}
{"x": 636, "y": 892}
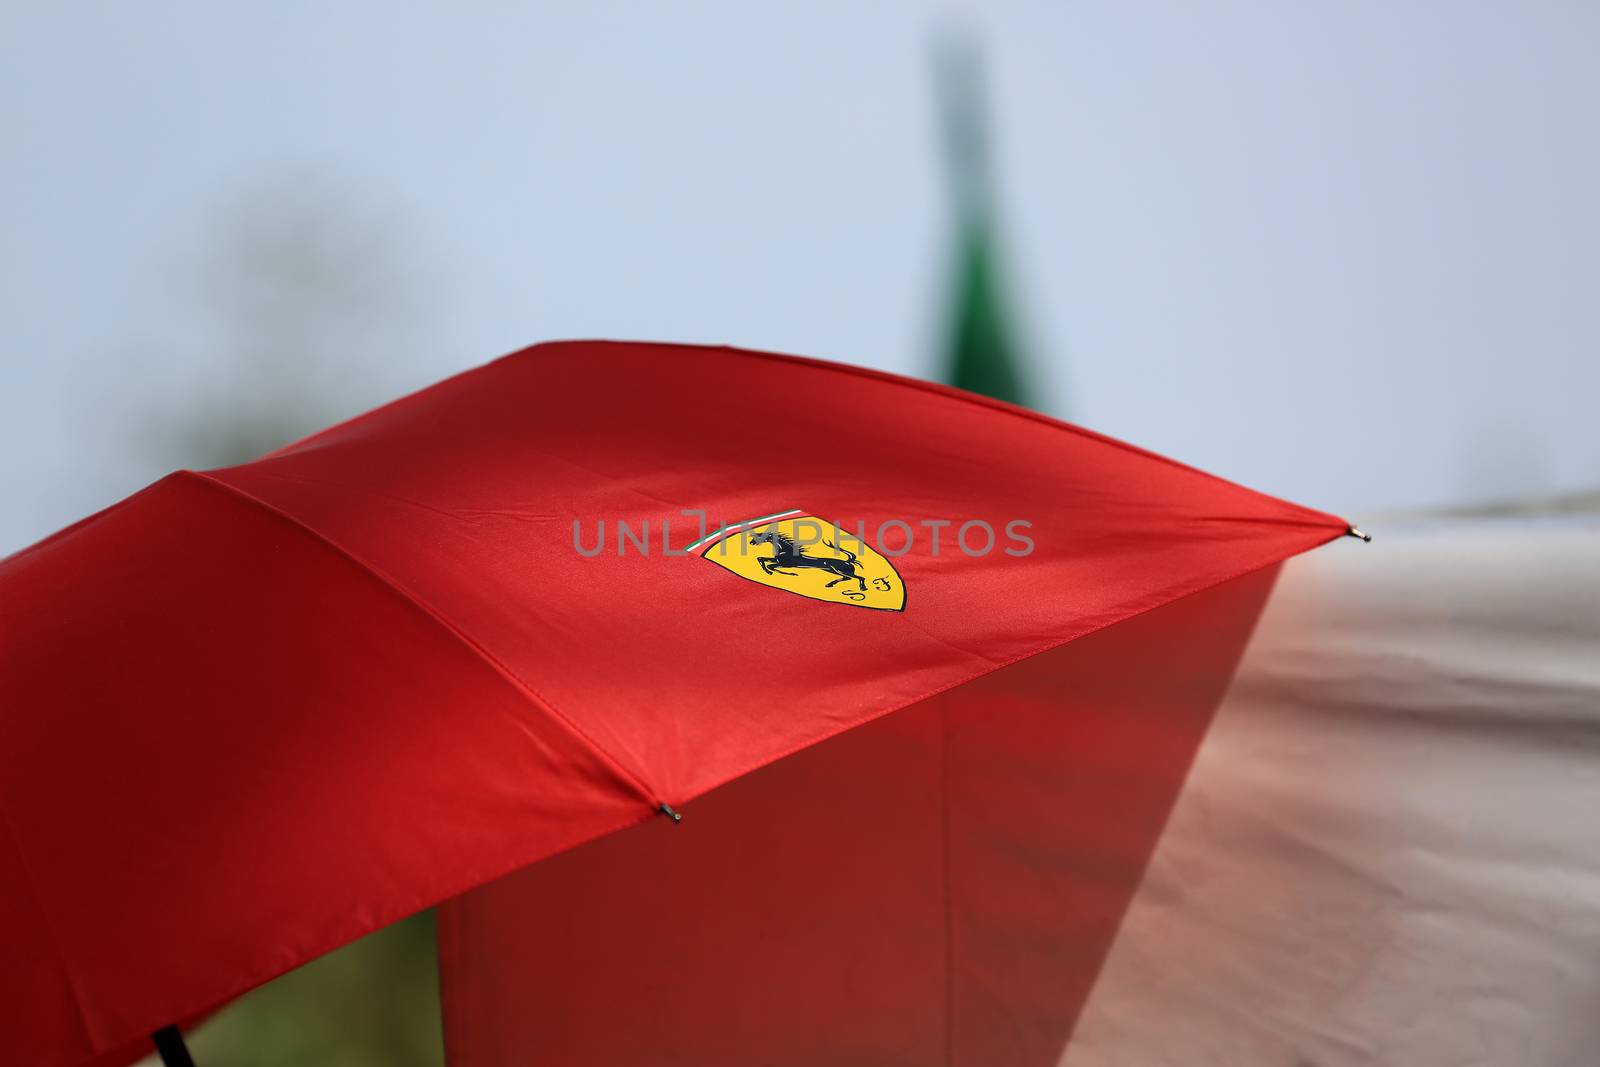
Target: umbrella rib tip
{"x": 666, "y": 809}
{"x": 1355, "y": 531}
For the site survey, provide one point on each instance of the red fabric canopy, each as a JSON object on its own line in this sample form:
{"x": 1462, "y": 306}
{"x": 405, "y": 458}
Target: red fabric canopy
{"x": 252, "y": 714}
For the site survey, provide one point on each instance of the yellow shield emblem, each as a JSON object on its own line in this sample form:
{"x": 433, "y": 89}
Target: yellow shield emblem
{"x": 808, "y": 556}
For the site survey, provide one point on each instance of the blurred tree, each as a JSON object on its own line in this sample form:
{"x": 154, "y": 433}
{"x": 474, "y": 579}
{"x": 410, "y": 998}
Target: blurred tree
{"x": 305, "y": 305}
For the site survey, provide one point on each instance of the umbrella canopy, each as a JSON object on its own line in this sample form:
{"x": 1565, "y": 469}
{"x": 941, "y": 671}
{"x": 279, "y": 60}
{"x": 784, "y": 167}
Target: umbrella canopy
{"x": 252, "y": 714}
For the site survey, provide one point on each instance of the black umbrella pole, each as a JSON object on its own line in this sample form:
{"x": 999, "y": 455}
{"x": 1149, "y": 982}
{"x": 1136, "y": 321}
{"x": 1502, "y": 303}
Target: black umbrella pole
{"x": 169, "y": 1043}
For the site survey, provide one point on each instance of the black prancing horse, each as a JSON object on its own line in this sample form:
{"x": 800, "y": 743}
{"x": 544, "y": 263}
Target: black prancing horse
{"x": 787, "y": 554}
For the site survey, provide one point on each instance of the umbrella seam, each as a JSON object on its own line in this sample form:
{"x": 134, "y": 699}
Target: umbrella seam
{"x": 647, "y": 793}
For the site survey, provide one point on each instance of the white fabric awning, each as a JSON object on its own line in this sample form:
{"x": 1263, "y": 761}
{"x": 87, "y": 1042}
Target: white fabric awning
{"x": 1388, "y": 851}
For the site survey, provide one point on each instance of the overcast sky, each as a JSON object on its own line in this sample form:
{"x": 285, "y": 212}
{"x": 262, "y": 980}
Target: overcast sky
{"x": 1345, "y": 253}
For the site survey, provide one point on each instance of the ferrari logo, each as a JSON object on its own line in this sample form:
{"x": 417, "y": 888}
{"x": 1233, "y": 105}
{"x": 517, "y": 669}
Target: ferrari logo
{"x": 802, "y": 554}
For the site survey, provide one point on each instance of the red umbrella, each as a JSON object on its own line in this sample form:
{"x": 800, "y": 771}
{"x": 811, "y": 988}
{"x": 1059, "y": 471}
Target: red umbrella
{"x": 249, "y": 715}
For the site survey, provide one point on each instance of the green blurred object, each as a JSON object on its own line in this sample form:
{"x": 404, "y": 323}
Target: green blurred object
{"x": 982, "y": 355}
{"x": 372, "y": 1003}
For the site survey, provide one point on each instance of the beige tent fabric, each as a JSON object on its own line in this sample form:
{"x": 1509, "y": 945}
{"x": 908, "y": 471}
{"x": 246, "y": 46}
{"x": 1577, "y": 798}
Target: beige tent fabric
{"x": 1388, "y": 851}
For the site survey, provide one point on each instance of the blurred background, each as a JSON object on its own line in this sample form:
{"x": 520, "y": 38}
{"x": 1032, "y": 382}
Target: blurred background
{"x": 1340, "y": 253}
